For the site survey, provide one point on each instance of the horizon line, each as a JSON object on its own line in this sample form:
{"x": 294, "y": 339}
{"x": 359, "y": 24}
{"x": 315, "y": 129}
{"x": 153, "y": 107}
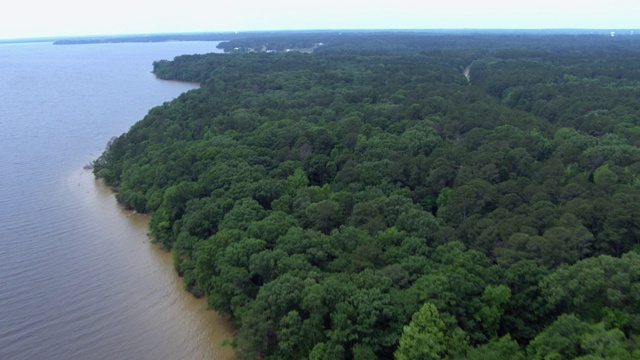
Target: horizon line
{"x": 46, "y": 38}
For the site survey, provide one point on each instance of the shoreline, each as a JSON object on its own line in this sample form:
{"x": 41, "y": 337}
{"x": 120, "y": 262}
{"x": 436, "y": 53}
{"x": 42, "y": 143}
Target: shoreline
{"x": 210, "y": 328}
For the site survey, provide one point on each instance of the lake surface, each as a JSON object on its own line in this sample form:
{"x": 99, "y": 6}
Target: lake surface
{"x": 79, "y": 279}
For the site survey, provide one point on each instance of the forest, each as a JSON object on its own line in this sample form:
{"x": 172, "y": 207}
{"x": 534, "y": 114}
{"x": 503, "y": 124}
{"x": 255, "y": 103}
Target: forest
{"x": 402, "y": 195}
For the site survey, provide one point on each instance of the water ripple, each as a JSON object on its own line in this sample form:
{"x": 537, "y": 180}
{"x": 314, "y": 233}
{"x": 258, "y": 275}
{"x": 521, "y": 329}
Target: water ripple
{"x": 79, "y": 279}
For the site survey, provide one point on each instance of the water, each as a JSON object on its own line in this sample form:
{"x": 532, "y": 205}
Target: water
{"x": 79, "y": 279}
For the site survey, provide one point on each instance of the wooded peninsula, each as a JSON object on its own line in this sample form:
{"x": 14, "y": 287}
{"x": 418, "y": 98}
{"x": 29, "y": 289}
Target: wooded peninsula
{"x": 409, "y": 195}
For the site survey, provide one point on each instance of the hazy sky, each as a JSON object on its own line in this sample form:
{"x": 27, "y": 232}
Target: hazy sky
{"x": 34, "y": 18}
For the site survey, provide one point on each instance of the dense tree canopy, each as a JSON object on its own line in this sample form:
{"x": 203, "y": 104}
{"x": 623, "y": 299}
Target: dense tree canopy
{"x": 366, "y": 200}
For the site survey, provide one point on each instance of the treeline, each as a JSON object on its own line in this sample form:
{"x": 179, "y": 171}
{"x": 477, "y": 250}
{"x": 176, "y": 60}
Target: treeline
{"x": 433, "y": 40}
{"x": 371, "y": 204}
{"x": 145, "y": 38}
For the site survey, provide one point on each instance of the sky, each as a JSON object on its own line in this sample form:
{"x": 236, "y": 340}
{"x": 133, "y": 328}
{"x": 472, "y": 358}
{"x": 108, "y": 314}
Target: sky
{"x": 46, "y": 18}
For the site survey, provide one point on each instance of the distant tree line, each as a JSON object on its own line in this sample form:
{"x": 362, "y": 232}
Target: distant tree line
{"x": 146, "y": 38}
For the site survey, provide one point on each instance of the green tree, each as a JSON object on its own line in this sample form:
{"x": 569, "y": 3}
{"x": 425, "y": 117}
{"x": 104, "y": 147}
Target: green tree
{"x": 243, "y": 213}
{"x": 560, "y": 340}
{"x": 324, "y": 215}
{"x": 503, "y": 348}
{"x": 424, "y": 337}
{"x": 494, "y": 299}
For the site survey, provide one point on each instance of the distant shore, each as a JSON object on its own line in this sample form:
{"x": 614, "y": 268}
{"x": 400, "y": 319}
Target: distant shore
{"x": 144, "y": 38}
